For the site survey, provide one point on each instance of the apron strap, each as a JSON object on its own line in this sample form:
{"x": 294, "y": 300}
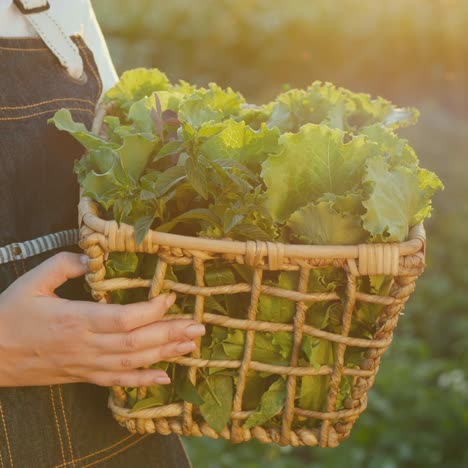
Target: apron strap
{"x": 49, "y": 29}
{"x": 22, "y": 250}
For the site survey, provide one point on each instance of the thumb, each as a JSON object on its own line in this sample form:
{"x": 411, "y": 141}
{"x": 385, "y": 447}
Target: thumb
{"x": 49, "y": 275}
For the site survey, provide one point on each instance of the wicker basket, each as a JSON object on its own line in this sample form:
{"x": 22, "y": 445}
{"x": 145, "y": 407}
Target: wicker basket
{"x": 404, "y": 262}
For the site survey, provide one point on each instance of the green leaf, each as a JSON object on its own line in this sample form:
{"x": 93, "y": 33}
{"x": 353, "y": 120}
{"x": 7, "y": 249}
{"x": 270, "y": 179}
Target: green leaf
{"x": 277, "y": 309}
{"x": 325, "y": 104}
{"x": 364, "y": 111}
{"x": 255, "y": 388}
{"x": 263, "y": 350}
{"x": 132, "y": 394}
{"x": 142, "y": 226}
{"x": 399, "y": 199}
{"x": 211, "y": 304}
{"x": 284, "y": 341}
{"x": 219, "y": 276}
{"x": 136, "y": 84}
{"x": 121, "y": 264}
{"x": 320, "y": 224}
{"x": 198, "y": 215}
{"x": 160, "y": 183}
{"x": 345, "y": 391}
{"x": 140, "y": 111}
{"x": 169, "y": 149}
{"x": 152, "y": 401}
{"x": 271, "y": 404}
{"x": 63, "y": 120}
{"x": 314, "y": 389}
{"x": 216, "y": 391}
{"x": 185, "y": 390}
{"x": 135, "y": 154}
{"x": 212, "y": 104}
{"x": 396, "y": 150}
{"x": 102, "y": 160}
{"x": 245, "y": 231}
{"x": 291, "y": 110}
{"x": 197, "y": 176}
{"x": 104, "y": 188}
{"x": 239, "y": 142}
{"x": 350, "y": 202}
{"x": 311, "y": 163}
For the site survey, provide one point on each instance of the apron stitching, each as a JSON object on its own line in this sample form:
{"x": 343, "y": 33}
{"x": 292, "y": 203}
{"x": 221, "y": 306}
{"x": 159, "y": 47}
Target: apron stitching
{"x": 6, "y": 435}
{"x": 70, "y": 445}
{"x": 23, "y": 266}
{"x": 96, "y": 75}
{"x": 16, "y": 270}
{"x": 61, "y": 58}
{"x": 97, "y": 452}
{"x": 1, "y": 461}
{"x": 23, "y": 38}
{"x": 23, "y": 50}
{"x": 46, "y": 102}
{"x": 46, "y": 112}
{"x": 57, "y": 425}
{"x": 68, "y": 41}
{"x": 117, "y": 452}
{"x": 38, "y": 49}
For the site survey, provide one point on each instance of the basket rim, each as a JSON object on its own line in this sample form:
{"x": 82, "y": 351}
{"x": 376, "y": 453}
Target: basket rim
{"x": 88, "y": 207}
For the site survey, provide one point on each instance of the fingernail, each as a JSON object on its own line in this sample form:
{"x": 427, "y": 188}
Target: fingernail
{"x": 195, "y": 330}
{"x": 185, "y": 347}
{"x": 84, "y": 259}
{"x": 162, "y": 380}
{"x": 170, "y": 300}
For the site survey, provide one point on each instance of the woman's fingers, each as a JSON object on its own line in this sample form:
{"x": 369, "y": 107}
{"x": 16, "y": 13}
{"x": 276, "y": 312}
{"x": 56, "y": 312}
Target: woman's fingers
{"x": 114, "y": 318}
{"x": 52, "y": 273}
{"x": 150, "y": 336}
{"x": 130, "y": 378}
{"x": 119, "y": 362}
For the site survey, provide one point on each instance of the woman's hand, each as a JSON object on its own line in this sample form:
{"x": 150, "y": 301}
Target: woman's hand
{"x": 48, "y": 340}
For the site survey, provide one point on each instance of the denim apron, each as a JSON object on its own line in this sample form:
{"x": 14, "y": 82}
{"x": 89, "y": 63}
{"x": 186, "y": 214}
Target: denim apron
{"x": 62, "y": 426}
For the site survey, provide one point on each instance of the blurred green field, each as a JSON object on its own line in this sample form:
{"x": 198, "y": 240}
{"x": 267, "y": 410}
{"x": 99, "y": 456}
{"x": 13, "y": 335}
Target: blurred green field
{"x": 414, "y": 52}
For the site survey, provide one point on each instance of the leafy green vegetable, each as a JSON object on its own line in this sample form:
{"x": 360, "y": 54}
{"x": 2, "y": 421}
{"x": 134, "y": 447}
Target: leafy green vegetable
{"x": 209, "y": 105}
{"x": 271, "y": 404}
{"x": 322, "y": 165}
{"x": 63, "y": 121}
{"x": 314, "y": 389}
{"x": 312, "y": 162}
{"x": 240, "y": 142}
{"x": 216, "y": 391}
{"x": 135, "y": 85}
{"x": 160, "y": 396}
{"x": 185, "y": 390}
{"x": 277, "y": 309}
{"x": 399, "y": 199}
{"x": 121, "y": 264}
{"x": 320, "y": 223}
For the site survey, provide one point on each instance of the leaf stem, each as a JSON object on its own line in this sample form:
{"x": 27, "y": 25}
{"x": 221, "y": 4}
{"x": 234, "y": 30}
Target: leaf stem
{"x": 215, "y": 398}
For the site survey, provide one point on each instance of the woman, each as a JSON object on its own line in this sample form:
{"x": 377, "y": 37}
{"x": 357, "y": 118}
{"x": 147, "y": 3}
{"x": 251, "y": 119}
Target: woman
{"x": 53, "y": 55}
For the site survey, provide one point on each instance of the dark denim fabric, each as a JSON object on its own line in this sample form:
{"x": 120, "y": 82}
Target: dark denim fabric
{"x": 61, "y": 425}
{"x": 38, "y": 190}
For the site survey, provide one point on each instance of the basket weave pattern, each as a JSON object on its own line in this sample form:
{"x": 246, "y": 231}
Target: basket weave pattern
{"x": 404, "y": 262}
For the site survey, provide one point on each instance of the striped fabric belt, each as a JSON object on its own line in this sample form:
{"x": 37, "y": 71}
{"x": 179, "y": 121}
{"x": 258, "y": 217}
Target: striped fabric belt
{"x": 22, "y": 250}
